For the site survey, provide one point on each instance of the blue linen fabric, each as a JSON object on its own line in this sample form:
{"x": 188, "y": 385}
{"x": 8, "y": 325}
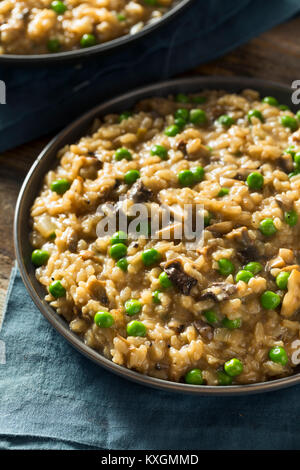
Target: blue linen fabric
{"x": 40, "y": 100}
{"x": 54, "y": 398}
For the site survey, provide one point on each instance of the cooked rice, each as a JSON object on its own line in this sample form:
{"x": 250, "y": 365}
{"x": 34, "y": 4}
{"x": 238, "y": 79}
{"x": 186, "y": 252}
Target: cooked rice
{"x": 179, "y": 338}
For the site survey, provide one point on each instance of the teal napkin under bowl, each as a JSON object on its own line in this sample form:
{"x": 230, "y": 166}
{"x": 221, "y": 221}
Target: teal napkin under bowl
{"x": 54, "y": 398}
{"x": 41, "y": 100}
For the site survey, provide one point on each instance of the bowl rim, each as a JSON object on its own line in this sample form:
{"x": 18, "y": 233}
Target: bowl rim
{"x": 49, "y": 152}
{"x": 105, "y": 47}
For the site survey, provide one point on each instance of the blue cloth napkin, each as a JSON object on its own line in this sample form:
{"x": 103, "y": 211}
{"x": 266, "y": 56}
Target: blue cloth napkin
{"x": 54, "y": 398}
{"x": 42, "y": 100}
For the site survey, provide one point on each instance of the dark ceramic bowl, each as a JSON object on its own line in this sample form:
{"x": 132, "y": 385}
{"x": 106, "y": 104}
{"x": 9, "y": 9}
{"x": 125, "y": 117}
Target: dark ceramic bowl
{"x": 78, "y": 54}
{"x": 47, "y": 159}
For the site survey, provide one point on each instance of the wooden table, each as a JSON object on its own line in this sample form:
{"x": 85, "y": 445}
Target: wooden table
{"x": 274, "y": 55}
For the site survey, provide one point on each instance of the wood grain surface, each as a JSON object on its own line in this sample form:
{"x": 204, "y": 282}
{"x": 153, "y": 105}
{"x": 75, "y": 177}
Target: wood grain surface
{"x": 274, "y": 55}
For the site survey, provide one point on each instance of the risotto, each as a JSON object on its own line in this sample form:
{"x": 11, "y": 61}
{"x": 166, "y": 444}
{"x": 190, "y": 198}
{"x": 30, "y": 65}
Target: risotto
{"x": 41, "y": 26}
{"x": 224, "y": 311}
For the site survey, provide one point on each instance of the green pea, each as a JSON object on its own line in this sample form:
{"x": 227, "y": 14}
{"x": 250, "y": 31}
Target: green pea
{"x": 270, "y": 100}
{"x": 255, "y": 113}
{"x": 223, "y": 378}
{"x": 117, "y": 251}
{"x": 57, "y": 289}
{"x": 164, "y": 280}
{"x": 294, "y": 173}
{"x": 290, "y": 122}
{"x": 186, "y": 178}
{"x": 124, "y": 116}
{"x": 104, "y": 319}
{"x": 133, "y": 307}
{"x": 296, "y": 157}
{"x": 52, "y": 236}
{"x": 60, "y": 186}
{"x": 283, "y": 107}
{"x": 298, "y": 115}
{"x": 182, "y": 113}
{"x": 136, "y": 328}
{"x": 131, "y": 176}
{"x": 53, "y": 45}
{"x": 150, "y": 257}
{"x": 291, "y": 151}
{"x": 255, "y": 180}
{"x": 156, "y": 296}
{"x": 233, "y": 367}
{"x": 194, "y": 377}
{"x": 254, "y": 267}
{"x": 182, "y": 98}
{"x": 226, "y": 267}
{"x": 160, "y": 151}
{"x": 211, "y": 316}
{"x": 223, "y": 192}
{"x": 121, "y": 17}
{"x": 151, "y": 2}
{"x": 278, "y": 354}
{"x": 172, "y": 130}
{"x": 282, "y": 280}
{"x": 123, "y": 153}
{"x": 118, "y": 237}
{"x": 231, "y": 324}
{"x": 270, "y": 300}
{"x": 122, "y": 264}
{"x": 226, "y": 121}
{"x": 58, "y": 6}
{"x": 88, "y": 40}
{"x": 267, "y": 227}
{"x": 198, "y": 116}
{"x": 291, "y": 218}
{"x": 199, "y": 99}
{"x": 39, "y": 257}
{"x": 244, "y": 276}
{"x": 180, "y": 123}
{"x": 198, "y": 174}
{"x": 207, "y": 219}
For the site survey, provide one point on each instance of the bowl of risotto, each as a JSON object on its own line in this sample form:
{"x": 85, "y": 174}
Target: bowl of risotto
{"x": 213, "y": 313}
{"x": 39, "y": 30}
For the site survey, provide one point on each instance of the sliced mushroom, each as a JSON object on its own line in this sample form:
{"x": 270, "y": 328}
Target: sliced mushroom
{"x": 140, "y": 193}
{"x": 206, "y": 331}
{"x": 182, "y": 281}
{"x": 285, "y": 162}
{"x": 221, "y": 227}
{"x": 291, "y": 300}
{"x": 72, "y": 240}
{"x": 284, "y": 201}
{"x": 241, "y": 174}
{"x": 182, "y": 146}
{"x": 218, "y": 292}
{"x": 247, "y": 250}
{"x": 98, "y": 291}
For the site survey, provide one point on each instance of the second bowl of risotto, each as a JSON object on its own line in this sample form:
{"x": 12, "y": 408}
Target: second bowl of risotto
{"x": 38, "y": 30}
{"x": 218, "y": 313}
